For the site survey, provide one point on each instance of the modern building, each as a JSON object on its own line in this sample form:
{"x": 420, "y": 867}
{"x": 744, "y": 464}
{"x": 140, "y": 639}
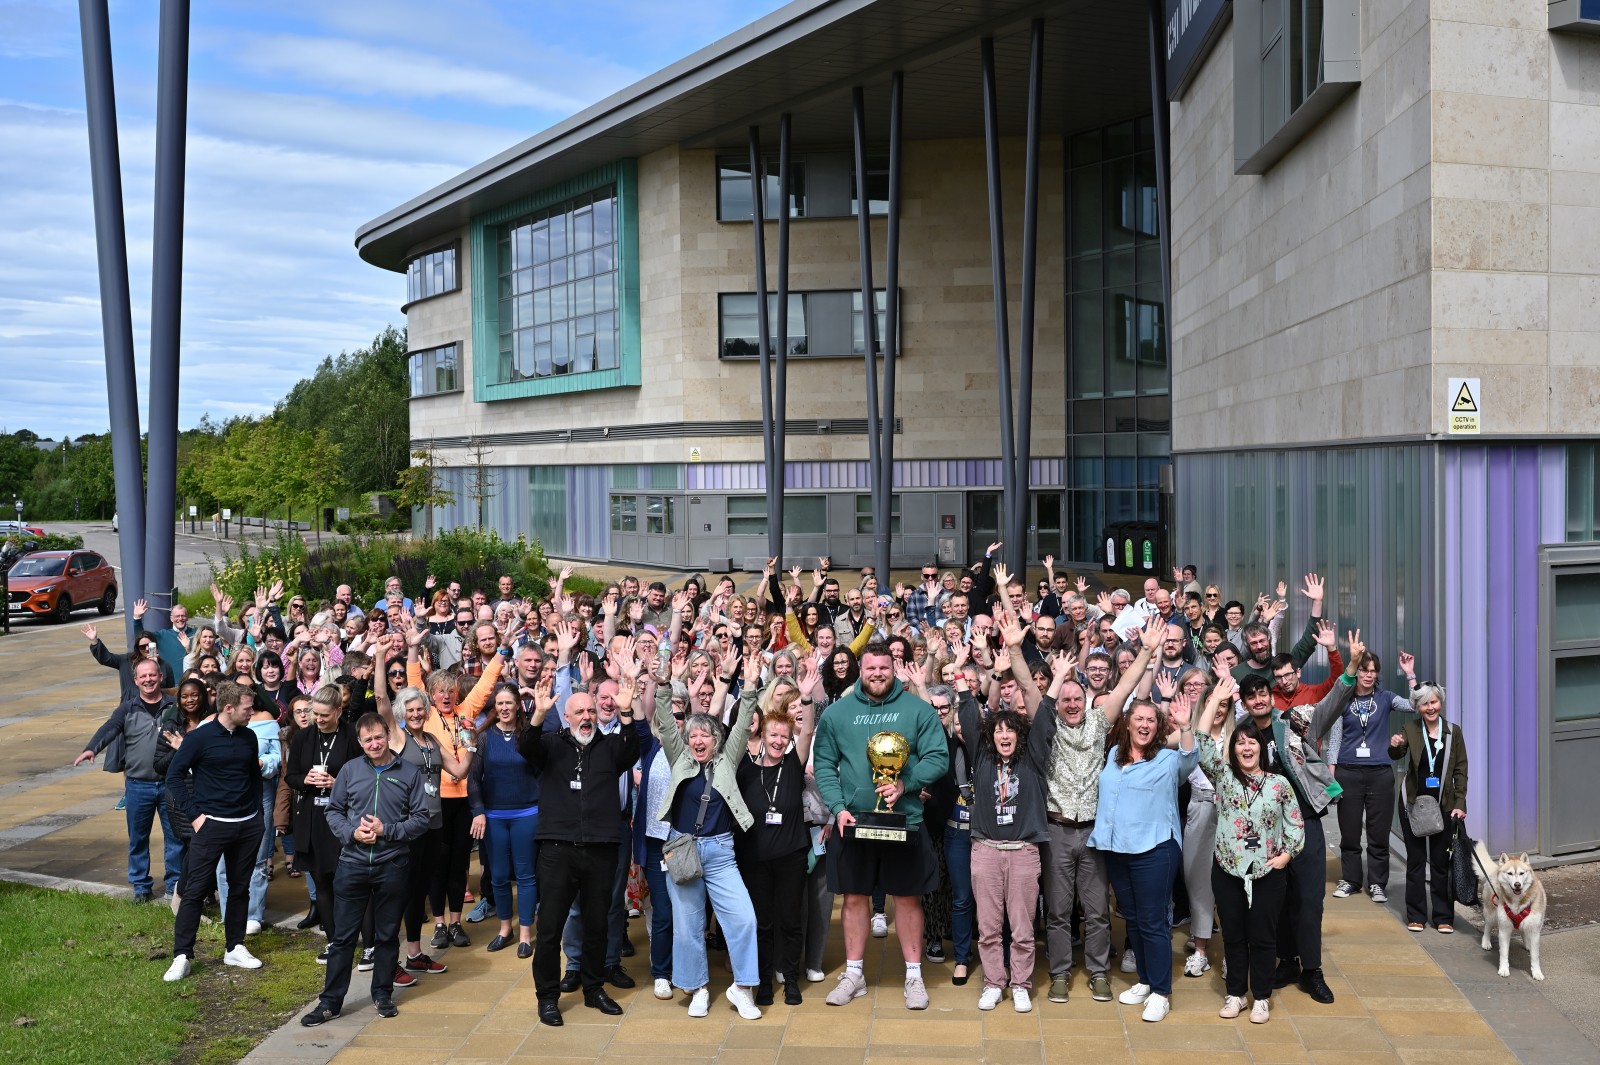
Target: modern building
{"x": 1318, "y": 289}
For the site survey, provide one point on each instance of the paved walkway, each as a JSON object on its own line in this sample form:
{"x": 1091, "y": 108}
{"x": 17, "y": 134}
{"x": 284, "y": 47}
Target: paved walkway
{"x": 1402, "y": 999}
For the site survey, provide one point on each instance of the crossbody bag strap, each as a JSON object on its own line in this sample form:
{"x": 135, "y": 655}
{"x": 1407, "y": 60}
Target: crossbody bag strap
{"x": 705, "y": 803}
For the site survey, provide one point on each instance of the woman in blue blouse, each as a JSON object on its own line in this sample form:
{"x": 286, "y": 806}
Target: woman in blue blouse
{"x": 1136, "y": 827}
{"x": 503, "y": 794}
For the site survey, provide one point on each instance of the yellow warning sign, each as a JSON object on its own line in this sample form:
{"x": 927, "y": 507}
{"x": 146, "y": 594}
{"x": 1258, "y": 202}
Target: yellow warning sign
{"x": 1464, "y": 411}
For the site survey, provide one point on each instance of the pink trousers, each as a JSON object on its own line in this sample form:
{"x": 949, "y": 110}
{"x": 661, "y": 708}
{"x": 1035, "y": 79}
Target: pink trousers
{"x": 1005, "y": 884}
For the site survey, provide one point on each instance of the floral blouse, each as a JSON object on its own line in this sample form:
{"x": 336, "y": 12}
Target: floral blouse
{"x": 1264, "y": 810}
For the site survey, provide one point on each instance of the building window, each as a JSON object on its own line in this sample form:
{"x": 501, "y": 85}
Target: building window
{"x": 1293, "y": 61}
{"x": 821, "y": 185}
{"x": 432, "y": 274}
{"x": 802, "y": 515}
{"x": 558, "y": 290}
{"x": 625, "y": 514}
{"x": 864, "y": 514}
{"x": 821, "y": 324}
{"x": 658, "y": 515}
{"x": 1583, "y": 492}
{"x": 435, "y": 370}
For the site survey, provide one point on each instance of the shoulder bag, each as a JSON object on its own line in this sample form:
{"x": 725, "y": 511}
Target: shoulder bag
{"x": 1423, "y": 812}
{"x": 681, "y": 853}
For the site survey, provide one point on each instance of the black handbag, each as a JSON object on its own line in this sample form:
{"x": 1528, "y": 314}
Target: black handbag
{"x": 1463, "y": 874}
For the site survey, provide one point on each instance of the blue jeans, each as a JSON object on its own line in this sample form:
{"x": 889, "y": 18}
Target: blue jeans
{"x": 288, "y": 856}
{"x": 735, "y": 915}
{"x": 660, "y": 912}
{"x": 616, "y": 916}
{"x": 511, "y": 843}
{"x": 144, "y": 805}
{"x": 258, "y": 875}
{"x": 1143, "y": 883}
{"x": 958, "y": 860}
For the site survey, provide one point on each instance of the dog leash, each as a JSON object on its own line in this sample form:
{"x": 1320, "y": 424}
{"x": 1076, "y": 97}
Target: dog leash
{"x": 1515, "y": 918}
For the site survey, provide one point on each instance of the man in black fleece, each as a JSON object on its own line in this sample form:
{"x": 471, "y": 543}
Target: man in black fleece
{"x": 376, "y": 809}
{"x": 580, "y": 828}
{"x": 215, "y": 782}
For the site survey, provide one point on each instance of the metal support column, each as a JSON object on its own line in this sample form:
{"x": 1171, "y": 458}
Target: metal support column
{"x": 1161, "y": 108}
{"x": 780, "y": 410}
{"x": 758, "y": 230}
{"x": 869, "y": 333}
{"x": 891, "y": 326}
{"x": 997, "y": 264}
{"x": 166, "y": 304}
{"x": 1030, "y": 258}
{"x": 116, "y": 319}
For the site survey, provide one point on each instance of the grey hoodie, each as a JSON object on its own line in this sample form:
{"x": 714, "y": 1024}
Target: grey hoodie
{"x": 393, "y": 793}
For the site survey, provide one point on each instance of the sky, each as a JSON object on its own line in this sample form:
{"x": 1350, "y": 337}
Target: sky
{"x": 306, "y": 119}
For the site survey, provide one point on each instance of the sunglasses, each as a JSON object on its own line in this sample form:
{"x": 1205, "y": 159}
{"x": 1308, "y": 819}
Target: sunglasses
{"x": 931, "y": 575}
{"x": 397, "y": 672}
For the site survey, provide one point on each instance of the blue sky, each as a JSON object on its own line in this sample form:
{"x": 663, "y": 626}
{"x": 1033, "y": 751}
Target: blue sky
{"x": 305, "y": 120}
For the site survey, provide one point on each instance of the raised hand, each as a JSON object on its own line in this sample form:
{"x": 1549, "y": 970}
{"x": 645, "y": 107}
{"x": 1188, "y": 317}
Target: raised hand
{"x": 1166, "y": 686}
{"x": 608, "y": 605}
{"x": 566, "y": 574}
{"x": 1225, "y": 689}
{"x": 1181, "y": 710}
{"x": 770, "y": 568}
{"x": 183, "y": 638}
{"x": 810, "y": 674}
{"x": 1177, "y": 575}
{"x": 567, "y": 603}
{"x": 1313, "y": 587}
{"x": 1063, "y": 666}
{"x": 1326, "y": 636}
{"x": 1083, "y": 585}
{"x": 997, "y": 545}
{"x": 1103, "y": 601}
{"x": 636, "y": 611}
{"x": 1282, "y": 589}
{"x": 1002, "y": 660}
{"x": 680, "y": 600}
{"x": 566, "y": 636}
{"x": 139, "y": 607}
{"x": 90, "y": 633}
{"x": 826, "y": 562}
{"x": 586, "y": 671}
{"x": 1272, "y": 610}
{"x": 429, "y": 583}
{"x": 752, "y": 670}
{"x": 1154, "y": 631}
{"x": 1408, "y": 664}
{"x": 216, "y": 593}
{"x": 1357, "y": 648}
{"x": 1002, "y": 577}
{"x": 1010, "y": 631}
{"x": 225, "y": 605}
{"x": 276, "y": 592}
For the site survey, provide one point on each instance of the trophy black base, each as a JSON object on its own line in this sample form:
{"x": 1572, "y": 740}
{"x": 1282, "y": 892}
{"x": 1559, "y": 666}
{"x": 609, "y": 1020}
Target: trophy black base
{"x": 884, "y": 826}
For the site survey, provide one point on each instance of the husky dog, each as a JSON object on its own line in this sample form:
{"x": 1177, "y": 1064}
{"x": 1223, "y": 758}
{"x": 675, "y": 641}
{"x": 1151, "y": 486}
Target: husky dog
{"x": 1513, "y": 900}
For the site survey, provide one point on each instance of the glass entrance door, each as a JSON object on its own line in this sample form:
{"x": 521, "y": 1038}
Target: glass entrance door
{"x": 983, "y": 523}
{"x": 1046, "y": 526}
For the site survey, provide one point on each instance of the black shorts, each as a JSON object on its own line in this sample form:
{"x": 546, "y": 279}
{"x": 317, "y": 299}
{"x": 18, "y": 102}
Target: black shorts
{"x": 868, "y": 866}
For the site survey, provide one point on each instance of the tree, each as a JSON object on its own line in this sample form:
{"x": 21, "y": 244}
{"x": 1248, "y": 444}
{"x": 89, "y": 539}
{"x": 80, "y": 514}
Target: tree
{"x": 362, "y": 400}
{"x": 481, "y": 477}
{"x": 420, "y": 485}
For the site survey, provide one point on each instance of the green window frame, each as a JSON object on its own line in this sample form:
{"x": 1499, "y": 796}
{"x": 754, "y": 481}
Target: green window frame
{"x": 486, "y": 325}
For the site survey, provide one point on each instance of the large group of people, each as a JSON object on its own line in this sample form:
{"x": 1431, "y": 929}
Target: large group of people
{"x": 728, "y": 762}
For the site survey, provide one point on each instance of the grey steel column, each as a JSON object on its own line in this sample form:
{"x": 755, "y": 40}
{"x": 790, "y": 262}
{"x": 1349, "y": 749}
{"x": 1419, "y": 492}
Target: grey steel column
{"x": 166, "y": 303}
{"x": 1161, "y": 107}
{"x": 116, "y": 318}
{"x": 758, "y": 229}
{"x": 869, "y": 331}
{"x": 891, "y": 330}
{"x": 1030, "y": 259}
{"x": 997, "y": 263}
{"x": 780, "y": 402}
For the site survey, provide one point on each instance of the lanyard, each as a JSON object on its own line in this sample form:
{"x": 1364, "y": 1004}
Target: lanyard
{"x": 326, "y": 749}
{"x": 772, "y": 796}
{"x": 1432, "y": 748}
{"x": 1364, "y": 708}
{"x": 426, "y": 750}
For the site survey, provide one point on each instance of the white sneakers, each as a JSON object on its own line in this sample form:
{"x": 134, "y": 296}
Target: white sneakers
{"x": 1261, "y": 1012}
{"x": 1196, "y": 964}
{"x": 178, "y": 969}
{"x": 1129, "y": 963}
{"x": 740, "y": 997}
{"x": 241, "y": 958}
{"x": 1156, "y": 1007}
{"x": 990, "y": 997}
{"x": 252, "y": 928}
{"x": 1020, "y": 1000}
{"x": 700, "y": 1004}
{"x": 1134, "y": 995}
{"x": 880, "y": 926}
{"x": 1231, "y": 1007}
{"x": 816, "y": 976}
{"x": 851, "y": 985}
{"x": 663, "y": 989}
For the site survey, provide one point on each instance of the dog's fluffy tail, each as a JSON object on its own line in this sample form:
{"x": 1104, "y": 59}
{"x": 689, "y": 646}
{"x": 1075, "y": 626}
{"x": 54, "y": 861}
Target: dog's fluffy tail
{"x": 1486, "y": 864}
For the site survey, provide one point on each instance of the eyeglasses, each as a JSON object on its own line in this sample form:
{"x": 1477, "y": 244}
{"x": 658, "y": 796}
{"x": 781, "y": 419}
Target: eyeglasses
{"x": 940, "y": 706}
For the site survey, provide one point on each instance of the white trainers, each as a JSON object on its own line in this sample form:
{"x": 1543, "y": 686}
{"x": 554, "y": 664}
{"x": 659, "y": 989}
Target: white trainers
{"x": 1344, "y": 890}
{"x": 1196, "y": 964}
{"x": 816, "y": 976}
{"x": 1020, "y": 1000}
{"x": 990, "y": 998}
{"x": 1130, "y": 964}
{"x": 1379, "y": 895}
{"x": 1231, "y": 1007}
{"x": 880, "y": 926}
{"x": 1261, "y": 1012}
{"x": 663, "y": 988}
{"x": 1156, "y": 1007}
{"x": 700, "y": 1004}
{"x": 178, "y": 969}
{"x": 1134, "y": 995}
{"x": 851, "y": 985}
{"x": 916, "y": 993}
{"x": 252, "y": 928}
{"x": 241, "y": 958}
{"x": 740, "y": 997}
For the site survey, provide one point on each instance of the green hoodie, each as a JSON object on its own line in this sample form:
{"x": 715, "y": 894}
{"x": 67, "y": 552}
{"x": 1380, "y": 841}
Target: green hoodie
{"x": 839, "y": 753}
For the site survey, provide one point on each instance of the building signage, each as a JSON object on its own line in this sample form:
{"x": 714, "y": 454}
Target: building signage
{"x": 1192, "y": 28}
{"x": 1462, "y": 407}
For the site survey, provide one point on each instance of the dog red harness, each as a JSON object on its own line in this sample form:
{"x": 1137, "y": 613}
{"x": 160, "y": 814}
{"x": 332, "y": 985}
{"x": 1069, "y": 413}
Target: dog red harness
{"x": 1516, "y": 917}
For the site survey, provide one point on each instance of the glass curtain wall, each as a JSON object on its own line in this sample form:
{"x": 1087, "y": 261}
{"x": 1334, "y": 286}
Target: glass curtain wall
{"x": 1118, "y": 410}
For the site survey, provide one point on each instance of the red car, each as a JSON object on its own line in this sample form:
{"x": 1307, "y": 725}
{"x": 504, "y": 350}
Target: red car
{"x": 55, "y": 583}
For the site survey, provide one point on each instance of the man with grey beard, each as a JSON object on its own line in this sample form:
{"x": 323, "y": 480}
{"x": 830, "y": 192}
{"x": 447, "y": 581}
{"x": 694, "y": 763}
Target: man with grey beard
{"x": 580, "y": 828}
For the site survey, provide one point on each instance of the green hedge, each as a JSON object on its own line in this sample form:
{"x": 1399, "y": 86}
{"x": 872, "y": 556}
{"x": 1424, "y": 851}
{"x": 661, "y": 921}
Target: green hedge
{"x": 47, "y": 542}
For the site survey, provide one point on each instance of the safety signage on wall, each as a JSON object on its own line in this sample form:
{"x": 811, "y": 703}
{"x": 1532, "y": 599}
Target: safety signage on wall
{"x": 1462, "y": 407}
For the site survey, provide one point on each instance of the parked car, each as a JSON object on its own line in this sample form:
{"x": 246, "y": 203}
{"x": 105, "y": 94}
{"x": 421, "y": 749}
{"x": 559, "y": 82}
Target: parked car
{"x": 13, "y": 548}
{"x": 53, "y": 584}
{"x": 17, "y": 528}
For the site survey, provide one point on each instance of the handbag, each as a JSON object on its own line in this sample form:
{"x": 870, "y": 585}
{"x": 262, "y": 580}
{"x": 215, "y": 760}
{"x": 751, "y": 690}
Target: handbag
{"x": 1425, "y": 816}
{"x": 1463, "y": 877}
{"x": 681, "y": 854}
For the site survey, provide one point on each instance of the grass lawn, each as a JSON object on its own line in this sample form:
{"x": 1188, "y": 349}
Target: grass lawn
{"x": 86, "y": 970}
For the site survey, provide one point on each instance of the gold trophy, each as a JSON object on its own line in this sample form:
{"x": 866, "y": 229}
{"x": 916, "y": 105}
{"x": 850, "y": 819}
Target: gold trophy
{"x": 887, "y": 752}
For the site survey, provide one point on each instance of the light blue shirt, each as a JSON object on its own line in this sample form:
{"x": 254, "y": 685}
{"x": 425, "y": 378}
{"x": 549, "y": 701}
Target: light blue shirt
{"x": 271, "y": 749}
{"x": 1138, "y": 807}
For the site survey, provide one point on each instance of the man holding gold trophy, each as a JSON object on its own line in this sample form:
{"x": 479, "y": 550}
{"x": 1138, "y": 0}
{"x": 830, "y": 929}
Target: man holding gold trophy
{"x": 876, "y": 748}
